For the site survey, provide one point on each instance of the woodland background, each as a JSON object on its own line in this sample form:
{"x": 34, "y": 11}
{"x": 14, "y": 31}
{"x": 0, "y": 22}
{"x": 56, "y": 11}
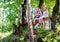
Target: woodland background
{"x": 14, "y": 24}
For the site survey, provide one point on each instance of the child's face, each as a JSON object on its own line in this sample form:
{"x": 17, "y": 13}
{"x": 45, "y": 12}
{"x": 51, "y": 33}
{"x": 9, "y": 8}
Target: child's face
{"x": 44, "y": 8}
{"x": 38, "y": 10}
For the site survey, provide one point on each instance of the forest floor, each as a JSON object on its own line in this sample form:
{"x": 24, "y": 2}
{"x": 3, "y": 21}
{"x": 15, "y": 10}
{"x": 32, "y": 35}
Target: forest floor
{"x": 9, "y": 37}
{"x": 3, "y": 35}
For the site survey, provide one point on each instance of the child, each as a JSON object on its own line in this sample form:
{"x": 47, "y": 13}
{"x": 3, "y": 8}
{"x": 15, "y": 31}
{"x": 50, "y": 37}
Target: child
{"x": 45, "y": 14}
{"x": 38, "y": 15}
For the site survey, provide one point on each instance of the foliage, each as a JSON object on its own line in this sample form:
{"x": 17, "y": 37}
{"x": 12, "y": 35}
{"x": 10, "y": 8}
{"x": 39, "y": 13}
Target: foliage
{"x": 10, "y": 11}
{"x": 47, "y": 35}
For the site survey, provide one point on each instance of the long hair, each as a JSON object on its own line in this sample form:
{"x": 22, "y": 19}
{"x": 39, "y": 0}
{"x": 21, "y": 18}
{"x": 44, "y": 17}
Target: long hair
{"x": 44, "y": 6}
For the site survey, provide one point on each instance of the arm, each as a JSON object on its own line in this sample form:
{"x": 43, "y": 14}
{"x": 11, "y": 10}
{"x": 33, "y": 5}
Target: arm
{"x": 47, "y": 12}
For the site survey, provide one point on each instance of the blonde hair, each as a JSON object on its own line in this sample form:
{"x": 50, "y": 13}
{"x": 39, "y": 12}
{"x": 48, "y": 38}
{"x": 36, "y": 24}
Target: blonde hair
{"x": 44, "y": 6}
{"x": 38, "y": 9}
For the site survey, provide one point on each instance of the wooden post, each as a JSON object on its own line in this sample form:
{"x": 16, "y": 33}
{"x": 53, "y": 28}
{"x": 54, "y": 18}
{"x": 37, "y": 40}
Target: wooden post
{"x": 31, "y": 37}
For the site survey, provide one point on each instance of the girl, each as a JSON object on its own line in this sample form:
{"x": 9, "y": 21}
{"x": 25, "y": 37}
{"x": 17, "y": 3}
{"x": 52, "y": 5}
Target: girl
{"x": 45, "y": 15}
{"x": 38, "y": 15}
{"x": 44, "y": 12}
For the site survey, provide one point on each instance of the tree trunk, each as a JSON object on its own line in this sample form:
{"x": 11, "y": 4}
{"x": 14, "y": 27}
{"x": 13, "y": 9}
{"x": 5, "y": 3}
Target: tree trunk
{"x": 59, "y": 2}
{"x": 31, "y": 37}
{"x": 54, "y": 15}
{"x": 40, "y": 3}
{"x": 24, "y": 13}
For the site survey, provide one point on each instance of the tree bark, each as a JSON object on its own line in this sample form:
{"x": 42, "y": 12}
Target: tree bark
{"x": 31, "y": 37}
{"x": 59, "y": 2}
{"x": 40, "y": 3}
{"x": 54, "y": 15}
{"x": 24, "y": 13}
